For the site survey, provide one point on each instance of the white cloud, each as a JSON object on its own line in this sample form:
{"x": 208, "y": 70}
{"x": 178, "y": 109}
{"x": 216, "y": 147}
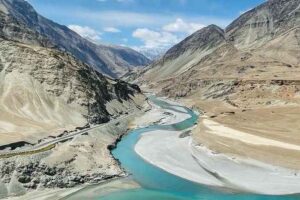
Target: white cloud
{"x": 165, "y": 37}
{"x": 117, "y": 18}
{"x": 121, "y": 18}
{"x": 111, "y": 29}
{"x": 182, "y": 26}
{"x": 155, "y": 39}
{"x": 86, "y": 32}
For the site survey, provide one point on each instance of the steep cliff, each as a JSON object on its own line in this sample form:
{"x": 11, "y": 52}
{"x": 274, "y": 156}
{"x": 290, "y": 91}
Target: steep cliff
{"x": 44, "y": 90}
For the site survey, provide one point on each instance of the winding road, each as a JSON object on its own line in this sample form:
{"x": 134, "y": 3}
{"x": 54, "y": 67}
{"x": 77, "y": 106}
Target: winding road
{"x": 45, "y": 146}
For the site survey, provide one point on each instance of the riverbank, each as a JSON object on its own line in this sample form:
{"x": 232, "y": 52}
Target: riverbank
{"x": 72, "y": 164}
{"x": 186, "y": 158}
{"x": 279, "y": 123}
{"x": 81, "y": 192}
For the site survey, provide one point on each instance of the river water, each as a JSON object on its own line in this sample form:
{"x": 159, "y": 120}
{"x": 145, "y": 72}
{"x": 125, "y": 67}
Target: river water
{"x": 156, "y": 184}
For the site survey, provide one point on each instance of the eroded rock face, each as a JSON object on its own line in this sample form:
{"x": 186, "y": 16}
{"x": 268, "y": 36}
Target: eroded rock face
{"x": 51, "y": 90}
{"x": 45, "y": 91}
{"x": 30, "y": 176}
{"x": 264, "y": 22}
{"x": 20, "y": 22}
{"x": 86, "y": 159}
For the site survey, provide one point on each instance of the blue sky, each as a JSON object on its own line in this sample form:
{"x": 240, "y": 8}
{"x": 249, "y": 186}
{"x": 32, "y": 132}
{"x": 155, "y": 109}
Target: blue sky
{"x": 141, "y": 24}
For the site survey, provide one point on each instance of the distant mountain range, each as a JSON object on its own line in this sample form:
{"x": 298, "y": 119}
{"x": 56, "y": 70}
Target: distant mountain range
{"x": 20, "y": 22}
{"x": 152, "y": 54}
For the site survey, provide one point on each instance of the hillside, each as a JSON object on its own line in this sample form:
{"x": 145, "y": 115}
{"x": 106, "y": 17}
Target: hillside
{"x": 44, "y": 91}
{"x": 48, "y": 95}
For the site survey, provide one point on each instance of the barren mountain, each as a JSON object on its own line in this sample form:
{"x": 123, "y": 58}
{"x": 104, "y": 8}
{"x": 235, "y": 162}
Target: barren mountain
{"x": 48, "y": 94}
{"x": 187, "y": 53}
{"x": 264, "y": 23}
{"x": 20, "y": 22}
{"x": 44, "y": 91}
{"x": 236, "y": 76}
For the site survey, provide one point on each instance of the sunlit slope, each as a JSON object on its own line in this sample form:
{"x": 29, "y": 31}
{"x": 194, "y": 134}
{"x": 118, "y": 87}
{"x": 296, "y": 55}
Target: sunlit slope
{"x": 45, "y": 91}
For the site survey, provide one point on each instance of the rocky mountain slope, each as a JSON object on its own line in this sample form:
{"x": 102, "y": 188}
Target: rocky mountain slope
{"x": 45, "y": 93}
{"x": 246, "y": 77}
{"x": 261, "y": 44}
{"x": 187, "y": 53}
{"x": 264, "y": 23}
{"x": 20, "y": 22}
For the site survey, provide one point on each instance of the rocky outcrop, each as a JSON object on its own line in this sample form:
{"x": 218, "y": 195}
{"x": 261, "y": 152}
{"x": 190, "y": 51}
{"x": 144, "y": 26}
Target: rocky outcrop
{"x": 85, "y": 159}
{"x": 20, "y": 22}
{"x": 263, "y": 23}
{"x": 30, "y": 176}
{"x": 50, "y": 90}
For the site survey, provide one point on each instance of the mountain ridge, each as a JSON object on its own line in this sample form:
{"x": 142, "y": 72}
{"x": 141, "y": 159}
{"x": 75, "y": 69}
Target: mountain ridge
{"x": 249, "y": 82}
{"x": 113, "y": 61}
{"x": 253, "y": 30}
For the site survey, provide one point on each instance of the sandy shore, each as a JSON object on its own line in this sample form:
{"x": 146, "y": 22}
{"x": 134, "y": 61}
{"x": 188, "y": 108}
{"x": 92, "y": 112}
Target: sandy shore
{"x": 47, "y": 194}
{"x": 81, "y": 192}
{"x": 158, "y": 115}
{"x": 223, "y": 131}
{"x": 182, "y": 157}
{"x": 100, "y": 190}
{"x": 172, "y": 154}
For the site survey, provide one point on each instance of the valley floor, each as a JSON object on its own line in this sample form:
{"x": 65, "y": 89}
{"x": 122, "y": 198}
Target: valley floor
{"x": 207, "y": 157}
{"x": 220, "y": 151}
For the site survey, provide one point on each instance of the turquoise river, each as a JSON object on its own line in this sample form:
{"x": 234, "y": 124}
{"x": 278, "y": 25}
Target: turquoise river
{"x": 157, "y": 184}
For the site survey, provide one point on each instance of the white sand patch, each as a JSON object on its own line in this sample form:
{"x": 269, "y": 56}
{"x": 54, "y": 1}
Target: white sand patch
{"x": 173, "y": 155}
{"x": 175, "y": 117}
{"x": 150, "y": 117}
{"x": 249, "y": 175}
{"x": 182, "y": 158}
{"x": 223, "y": 131}
{"x": 161, "y": 116}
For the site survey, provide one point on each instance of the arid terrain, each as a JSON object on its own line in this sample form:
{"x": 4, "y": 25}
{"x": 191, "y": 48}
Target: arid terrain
{"x": 65, "y": 111}
{"x": 245, "y": 77}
